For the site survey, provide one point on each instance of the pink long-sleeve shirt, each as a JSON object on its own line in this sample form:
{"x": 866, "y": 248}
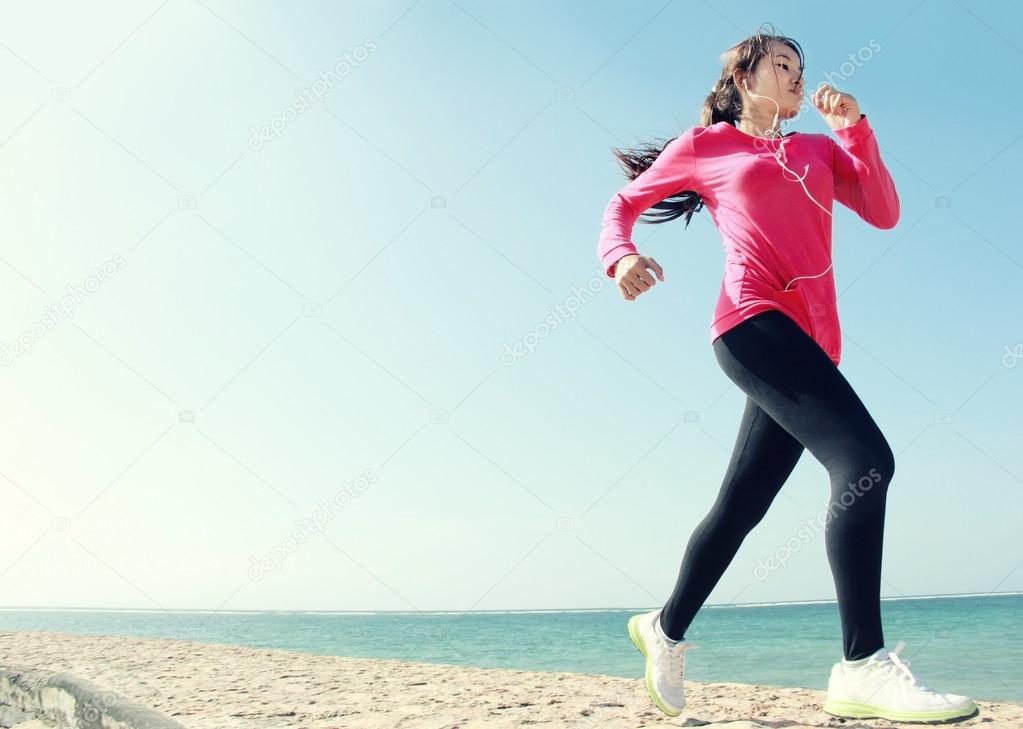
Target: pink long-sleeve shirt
{"x": 776, "y": 238}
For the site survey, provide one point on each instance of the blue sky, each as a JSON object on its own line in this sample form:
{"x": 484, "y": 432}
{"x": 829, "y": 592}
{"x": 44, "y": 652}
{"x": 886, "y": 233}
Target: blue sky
{"x": 266, "y": 263}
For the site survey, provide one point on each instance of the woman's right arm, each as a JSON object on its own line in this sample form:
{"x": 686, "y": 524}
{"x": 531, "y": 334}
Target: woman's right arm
{"x": 673, "y": 171}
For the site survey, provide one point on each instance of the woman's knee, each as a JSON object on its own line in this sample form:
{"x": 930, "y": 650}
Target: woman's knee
{"x": 868, "y": 468}
{"x": 737, "y": 516}
{"x": 882, "y": 461}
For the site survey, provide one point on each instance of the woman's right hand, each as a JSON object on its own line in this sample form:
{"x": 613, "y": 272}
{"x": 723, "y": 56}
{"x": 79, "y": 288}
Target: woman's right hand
{"x": 632, "y": 274}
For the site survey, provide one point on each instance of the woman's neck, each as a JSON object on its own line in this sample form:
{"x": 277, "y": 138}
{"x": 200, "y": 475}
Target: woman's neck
{"x": 760, "y": 126}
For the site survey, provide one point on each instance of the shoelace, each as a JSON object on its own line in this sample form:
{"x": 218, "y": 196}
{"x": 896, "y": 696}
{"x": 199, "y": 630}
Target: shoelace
{"x": 675, "y": 657}
{"x": 901, "y": 667}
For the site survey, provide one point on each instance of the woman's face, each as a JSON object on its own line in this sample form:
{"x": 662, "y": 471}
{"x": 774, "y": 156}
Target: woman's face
{"x": 779, "y": 77}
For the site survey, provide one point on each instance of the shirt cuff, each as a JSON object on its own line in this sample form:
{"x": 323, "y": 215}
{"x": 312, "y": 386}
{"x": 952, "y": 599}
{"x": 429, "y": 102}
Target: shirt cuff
{"x": 611, "y": 258}
{"x": 856, "y": 131}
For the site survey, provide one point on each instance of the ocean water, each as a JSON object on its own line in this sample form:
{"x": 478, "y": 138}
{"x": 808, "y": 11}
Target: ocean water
{"x": 970, "y": 644}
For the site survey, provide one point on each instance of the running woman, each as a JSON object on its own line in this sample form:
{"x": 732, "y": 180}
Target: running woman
{"x": 775, "y": 333}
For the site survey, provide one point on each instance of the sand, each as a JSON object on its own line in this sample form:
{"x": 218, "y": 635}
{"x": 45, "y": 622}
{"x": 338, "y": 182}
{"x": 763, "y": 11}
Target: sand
{"x": 226, "y": 687}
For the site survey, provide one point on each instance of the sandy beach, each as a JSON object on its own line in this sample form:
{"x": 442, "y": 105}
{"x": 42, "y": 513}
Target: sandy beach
{"x": 217, "y": 686}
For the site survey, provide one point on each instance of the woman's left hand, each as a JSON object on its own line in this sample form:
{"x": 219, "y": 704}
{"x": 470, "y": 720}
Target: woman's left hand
{"x": 837, "y": 108}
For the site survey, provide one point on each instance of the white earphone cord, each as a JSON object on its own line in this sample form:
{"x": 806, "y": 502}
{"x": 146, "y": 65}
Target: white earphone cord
{"x": 806, "y": 169}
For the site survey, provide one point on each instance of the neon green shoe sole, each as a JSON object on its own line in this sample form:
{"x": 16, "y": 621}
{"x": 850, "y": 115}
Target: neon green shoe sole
{"x": 854, "y": 710}
{"x": 641, "y": 647}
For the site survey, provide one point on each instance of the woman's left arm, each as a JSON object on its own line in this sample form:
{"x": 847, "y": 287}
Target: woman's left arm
{"x": 862, "y": 182}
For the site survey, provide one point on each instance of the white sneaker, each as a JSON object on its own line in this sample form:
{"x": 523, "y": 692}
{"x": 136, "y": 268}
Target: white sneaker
{"x": 884, "y": 687}
{"x": 665, "y": 662}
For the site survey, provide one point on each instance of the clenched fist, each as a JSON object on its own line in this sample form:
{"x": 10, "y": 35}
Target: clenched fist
{"x": 837, "y": 108}
{"x": 633, "y": 274}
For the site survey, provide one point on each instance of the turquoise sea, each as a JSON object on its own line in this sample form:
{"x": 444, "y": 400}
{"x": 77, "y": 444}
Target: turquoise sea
{"x": 970, "y": 644}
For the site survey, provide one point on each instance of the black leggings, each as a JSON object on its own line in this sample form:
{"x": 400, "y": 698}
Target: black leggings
{"x": 796, "y": 398}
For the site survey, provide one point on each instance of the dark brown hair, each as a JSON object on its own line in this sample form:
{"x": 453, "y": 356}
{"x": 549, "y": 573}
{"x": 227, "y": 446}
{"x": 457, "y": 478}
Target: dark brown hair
{"x": 723, "y": 103}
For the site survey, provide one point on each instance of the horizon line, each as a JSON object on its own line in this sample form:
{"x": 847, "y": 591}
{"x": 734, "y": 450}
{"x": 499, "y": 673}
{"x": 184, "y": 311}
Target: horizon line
{"x": 772, "y": 603}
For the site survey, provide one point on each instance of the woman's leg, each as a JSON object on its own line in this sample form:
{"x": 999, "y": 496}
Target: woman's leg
{"x": 762, "y": 459}
{"x": 791, "y": 378}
